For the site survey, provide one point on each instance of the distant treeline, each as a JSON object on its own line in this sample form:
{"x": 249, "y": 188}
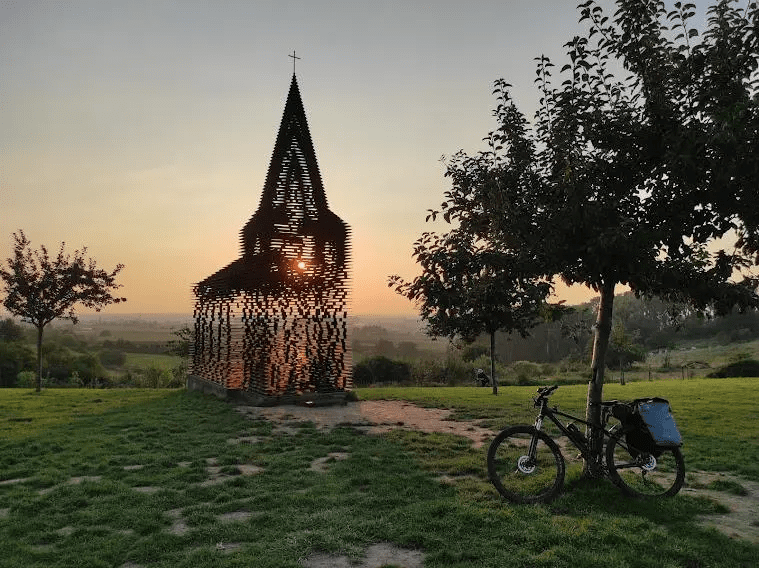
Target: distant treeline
{"x": 648, "y": 323}
{"x": 71, "y": 360}
{"x": 150, "y": 347}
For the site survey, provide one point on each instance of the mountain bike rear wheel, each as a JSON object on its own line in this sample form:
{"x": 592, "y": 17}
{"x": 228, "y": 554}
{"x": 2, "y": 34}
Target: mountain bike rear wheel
{"x": 645, "y": 475}
{"x": 519, "y": 476}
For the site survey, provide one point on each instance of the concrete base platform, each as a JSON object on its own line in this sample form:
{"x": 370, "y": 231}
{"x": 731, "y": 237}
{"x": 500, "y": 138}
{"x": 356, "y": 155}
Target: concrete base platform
{"x": 195, "y": 383}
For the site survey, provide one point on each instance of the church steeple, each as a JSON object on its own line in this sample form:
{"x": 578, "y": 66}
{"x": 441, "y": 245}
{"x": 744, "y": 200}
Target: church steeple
{"x": 293, "y": 204}
{"x": 294, "y": 156}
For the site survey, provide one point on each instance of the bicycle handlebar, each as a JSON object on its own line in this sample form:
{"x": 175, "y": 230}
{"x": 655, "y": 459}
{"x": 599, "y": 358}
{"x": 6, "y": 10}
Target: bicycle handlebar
{"x": 543, "y": 394}
{"x": 546, "y": 391}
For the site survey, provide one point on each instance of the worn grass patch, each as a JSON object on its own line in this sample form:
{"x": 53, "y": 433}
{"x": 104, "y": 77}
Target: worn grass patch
{"x": 728, "y": 486}
{"x": 82, "y": 499}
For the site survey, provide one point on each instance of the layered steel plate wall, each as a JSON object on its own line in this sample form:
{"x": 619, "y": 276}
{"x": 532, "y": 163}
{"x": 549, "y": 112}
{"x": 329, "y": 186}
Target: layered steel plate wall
{"x": 274, "y": 323}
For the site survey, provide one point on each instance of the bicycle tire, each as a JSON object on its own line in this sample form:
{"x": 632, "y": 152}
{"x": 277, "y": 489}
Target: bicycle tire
{"x": 515, "y": 477}
{"x": 642, "y": 475}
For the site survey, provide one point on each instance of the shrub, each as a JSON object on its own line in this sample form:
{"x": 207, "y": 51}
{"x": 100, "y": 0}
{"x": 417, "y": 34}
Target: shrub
{"x": 127, "y": 380}
{"x": 152, "y": 377}
{"x": 362, "y": 375}
{"x": 457, "y": 372}
{"x": 547, "y": 369}
{"x": 742, "y": 368}
{"x": 450, "y": 371}
{"x": 429, "y": 372}
{"x": 178, "y": 376}
{"x": 113, "y": 358}
{"x": 15, "y": 357}
{"x": 380, "y": 369}
{"x": 87, "y": 367}
{"x": 572, "y": 365}
{"x": 26, "y": 380}
{"x": 524, "y": 372}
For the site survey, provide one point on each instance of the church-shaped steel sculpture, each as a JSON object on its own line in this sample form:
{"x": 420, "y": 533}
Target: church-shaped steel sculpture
{"x": 272, "y": 325}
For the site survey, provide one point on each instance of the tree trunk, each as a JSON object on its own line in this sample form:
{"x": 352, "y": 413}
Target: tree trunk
{"x": 39, "y": 358}
{"x": 493, "y": 380}
{"x": 594, "y": 468}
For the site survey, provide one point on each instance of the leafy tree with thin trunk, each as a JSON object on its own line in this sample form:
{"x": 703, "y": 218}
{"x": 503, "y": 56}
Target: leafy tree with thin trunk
{"x": 648, "y": 180}
{"x": 39, "y": 288}
{"x": 185, "y": 339}
{"x": 470, "y": 287}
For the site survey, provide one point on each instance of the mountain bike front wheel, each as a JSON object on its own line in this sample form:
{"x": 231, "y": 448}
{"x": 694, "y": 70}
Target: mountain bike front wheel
{"x": 525, "y": 465}
{"x": 642, "y": 474}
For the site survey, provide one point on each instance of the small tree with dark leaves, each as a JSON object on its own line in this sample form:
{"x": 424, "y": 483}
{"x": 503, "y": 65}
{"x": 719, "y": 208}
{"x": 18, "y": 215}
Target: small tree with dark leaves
{"x": 39, "y": 288}
{"x": 470, "y": 288}
{"x": 185, "y": 338}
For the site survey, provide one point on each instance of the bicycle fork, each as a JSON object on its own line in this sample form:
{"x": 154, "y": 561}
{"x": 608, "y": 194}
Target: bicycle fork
{"x": 533, "y": 451}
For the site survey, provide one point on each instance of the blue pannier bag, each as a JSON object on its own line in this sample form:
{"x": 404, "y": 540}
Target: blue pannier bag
{"x": 656, "y": 418}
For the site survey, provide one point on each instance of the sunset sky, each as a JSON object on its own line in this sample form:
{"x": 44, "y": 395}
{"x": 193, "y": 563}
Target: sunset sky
{"x": 143, "y": 129}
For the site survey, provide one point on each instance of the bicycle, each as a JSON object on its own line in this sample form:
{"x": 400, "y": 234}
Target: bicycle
{"x": 526, "y": 465}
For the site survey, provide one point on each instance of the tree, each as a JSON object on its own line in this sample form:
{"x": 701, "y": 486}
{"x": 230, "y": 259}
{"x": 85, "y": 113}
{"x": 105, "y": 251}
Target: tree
{"x": 40, "y": 289}
{"x": 10, "y": 330}
{"x": 624, "y": 349}
{"x": 185, "y": 339}
{"x": 639, "y": 180}
{"x": 15, "y": 357}
{"x": 664, "y": 163}
{"x": 407, "y": 350}
{"x": 385, "y": 348}
{"x": 469, "y": 287}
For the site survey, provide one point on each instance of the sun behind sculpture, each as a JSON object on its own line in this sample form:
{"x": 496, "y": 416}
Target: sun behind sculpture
{"x": 273, "y": 324}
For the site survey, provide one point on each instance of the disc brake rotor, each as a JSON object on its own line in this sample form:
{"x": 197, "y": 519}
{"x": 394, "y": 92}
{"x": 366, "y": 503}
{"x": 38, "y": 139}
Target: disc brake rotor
{"x": 526, "y": 465}
{"x": 649, "y": 464}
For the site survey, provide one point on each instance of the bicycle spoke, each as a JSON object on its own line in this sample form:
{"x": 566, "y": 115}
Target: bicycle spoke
{"x": 645, "y": 475}
{"x": 522, "y": 477}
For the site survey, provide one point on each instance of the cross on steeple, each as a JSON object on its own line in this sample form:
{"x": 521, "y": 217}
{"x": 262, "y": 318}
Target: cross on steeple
{"x": 294, "y": 58}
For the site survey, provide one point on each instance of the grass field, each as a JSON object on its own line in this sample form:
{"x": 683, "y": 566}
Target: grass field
{"x": 156, "y": 478}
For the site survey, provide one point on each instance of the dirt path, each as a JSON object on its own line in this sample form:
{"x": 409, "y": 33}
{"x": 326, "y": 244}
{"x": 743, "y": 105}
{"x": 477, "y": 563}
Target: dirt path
{"x": 373, "y": 416}
{"x": 377, "y": 416}
{"x": 743, "y": 519}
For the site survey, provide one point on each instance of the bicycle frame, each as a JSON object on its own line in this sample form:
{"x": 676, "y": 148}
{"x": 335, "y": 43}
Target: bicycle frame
{"x": 552, "y": 413}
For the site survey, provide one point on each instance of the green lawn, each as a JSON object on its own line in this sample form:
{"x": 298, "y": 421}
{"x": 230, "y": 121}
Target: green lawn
{"x": 150, "y": 478}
